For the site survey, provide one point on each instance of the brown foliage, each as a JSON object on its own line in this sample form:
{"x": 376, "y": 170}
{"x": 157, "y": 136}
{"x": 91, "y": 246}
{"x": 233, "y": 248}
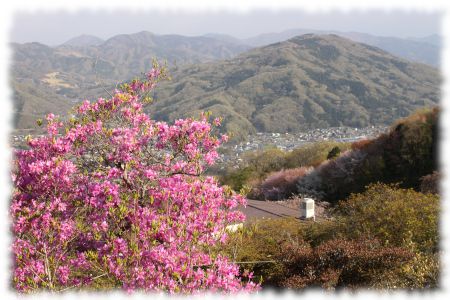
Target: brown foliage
{"x": 430, "y": 183}
{"x": 361, "y": 144}
{"x": 403, "y": 155}
{"x": 339, "y": 263}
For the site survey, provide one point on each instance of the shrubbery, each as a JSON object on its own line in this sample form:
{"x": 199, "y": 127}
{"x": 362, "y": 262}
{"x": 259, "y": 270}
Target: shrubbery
{"x": 339, "y": 263}
{"x": 423, "y": 271}
{"x": 385, "y": 237}
{"x": 254, "y": 168}
{"x": 331, "y": 179}
{"x": 392, "y": 215}
{"x": 410, "y": 150}
{"x": 404, "y": 155}
{"x": 334, "y": 152}
{"x": 113, "y": 199}
{"x": 430, "y": 183}
{"x": 279, "y": 185}
{"x": 257, "y": 166}
{"x": 259, "y": 242}
{"x": 313, "y": 154}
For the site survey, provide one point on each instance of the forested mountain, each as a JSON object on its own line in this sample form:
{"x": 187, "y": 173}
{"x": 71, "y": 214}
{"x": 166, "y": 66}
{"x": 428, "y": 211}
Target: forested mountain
{"x": 84, "y": 66}
{"x": 424, "y": 50}
{"x": 306, "y": 82}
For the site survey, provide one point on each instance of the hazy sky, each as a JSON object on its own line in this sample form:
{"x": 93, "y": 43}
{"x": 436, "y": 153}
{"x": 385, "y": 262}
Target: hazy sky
{"x": 56, "y": 28}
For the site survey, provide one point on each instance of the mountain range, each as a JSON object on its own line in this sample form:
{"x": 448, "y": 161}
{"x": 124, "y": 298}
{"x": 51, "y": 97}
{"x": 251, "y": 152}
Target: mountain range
{"x": 307, "y": 81}
{"x": 310, "y": 81}
{"x": 83, "y": 66}
{"x": 425, "y": 49}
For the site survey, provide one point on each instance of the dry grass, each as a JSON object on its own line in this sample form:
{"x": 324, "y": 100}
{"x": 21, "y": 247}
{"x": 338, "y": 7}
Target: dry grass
{"x": 52, "y": 80}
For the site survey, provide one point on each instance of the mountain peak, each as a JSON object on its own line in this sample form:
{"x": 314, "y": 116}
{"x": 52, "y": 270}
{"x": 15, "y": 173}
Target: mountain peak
{"x": 320, "y": 38}
{"x": 309, "y": 81}
{"x": 84, "y": 40}
{"x": 133, "y": 38}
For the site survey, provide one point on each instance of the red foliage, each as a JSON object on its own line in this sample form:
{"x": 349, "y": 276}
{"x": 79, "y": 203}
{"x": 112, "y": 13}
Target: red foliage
{"x": 339, "y": 263}
{"x": 361, "y": 144}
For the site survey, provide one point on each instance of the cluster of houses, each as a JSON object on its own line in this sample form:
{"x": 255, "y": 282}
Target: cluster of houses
{"x": 290, "y": 141}
{"x": 283, "y": 141}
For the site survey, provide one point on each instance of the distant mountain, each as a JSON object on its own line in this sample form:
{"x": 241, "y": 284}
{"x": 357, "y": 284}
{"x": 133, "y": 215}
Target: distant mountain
{"x": 120, "y": 57}
{"x": 133, "y": 53}
{"x": 306, "y": 82}
{"x": 84, "y": 40}
{"x": 417, "y": 51}
{"x": 433, "y": 39}
{"x": 82, "y": 68}
{"x": 225, "y": 37}
{"x": 426, "y": 50}
{"x": 275, "y": 37}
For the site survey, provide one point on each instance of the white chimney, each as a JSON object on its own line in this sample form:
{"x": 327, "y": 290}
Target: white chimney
{"x": 307, "y": 209}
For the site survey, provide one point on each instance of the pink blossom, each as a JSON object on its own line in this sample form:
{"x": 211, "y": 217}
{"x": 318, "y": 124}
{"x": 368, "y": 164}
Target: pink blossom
{"x": 63, "y": 274}
{"x": 115, "y": 194}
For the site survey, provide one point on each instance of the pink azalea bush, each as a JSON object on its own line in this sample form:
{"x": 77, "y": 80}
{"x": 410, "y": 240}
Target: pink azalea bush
{"x": 281, "y": 184}
{"x": 112, "y": 195}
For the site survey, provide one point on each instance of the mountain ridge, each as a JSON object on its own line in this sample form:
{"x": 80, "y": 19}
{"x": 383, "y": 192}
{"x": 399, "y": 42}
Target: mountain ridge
{"x": 83, "y": 40}
{"x": 287, "y": 86}
{"x": 305, "y": 82}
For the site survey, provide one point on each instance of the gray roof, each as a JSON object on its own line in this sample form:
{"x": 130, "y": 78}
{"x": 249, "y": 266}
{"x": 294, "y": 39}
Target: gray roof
{"x": 268, "y": 209}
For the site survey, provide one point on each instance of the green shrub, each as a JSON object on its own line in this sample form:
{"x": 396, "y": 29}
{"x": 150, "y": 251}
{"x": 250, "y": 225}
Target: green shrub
{"x": 237, "y": 179}
{"x": 254, "y": 167}
{"x": 395, "y": 216}
{"x": 312, "y": 154}
{"x": 383, "y": 238}
{"x": 410, "y": 150}
{"x": 334, "y": 152}
{"x": 430, "y": 183}
{"x": 260, "y": 240}
{"x": 317, "y": 233}
{"x": 419, "y": 273}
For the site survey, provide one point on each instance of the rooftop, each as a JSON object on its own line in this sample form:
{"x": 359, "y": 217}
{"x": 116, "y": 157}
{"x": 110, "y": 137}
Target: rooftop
{"x": 268, "y": 209}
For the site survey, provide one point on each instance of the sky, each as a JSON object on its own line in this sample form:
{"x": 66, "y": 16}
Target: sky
{"x": 56, "y": 28}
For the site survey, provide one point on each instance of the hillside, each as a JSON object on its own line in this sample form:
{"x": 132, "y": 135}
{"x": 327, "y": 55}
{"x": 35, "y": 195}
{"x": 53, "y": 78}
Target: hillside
{"x": 31, "y": 103}
{"x": 84, "y": 66}
{"x": 433, "y": 39}
{"x": 404, "y": 155}
{"x": 424, "y": 50}
{"x": 306, "y": 82}
{"x": 118, "y": 58}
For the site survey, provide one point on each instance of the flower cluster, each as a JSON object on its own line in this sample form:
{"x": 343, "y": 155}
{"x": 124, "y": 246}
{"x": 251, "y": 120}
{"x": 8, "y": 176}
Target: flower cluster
{"x": 115, "y": 197}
